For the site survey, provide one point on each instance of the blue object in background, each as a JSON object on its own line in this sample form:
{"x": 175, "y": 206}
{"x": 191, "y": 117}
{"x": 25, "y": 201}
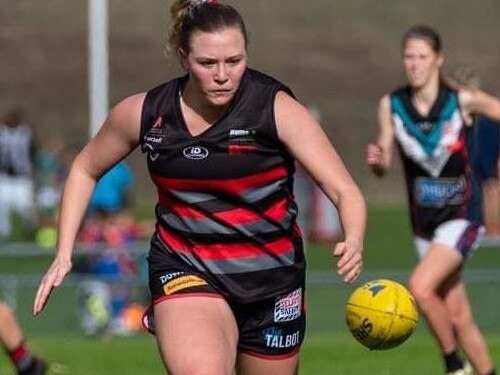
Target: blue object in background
{"x": 110, "y": 191}
{"x": 487, "y": 148}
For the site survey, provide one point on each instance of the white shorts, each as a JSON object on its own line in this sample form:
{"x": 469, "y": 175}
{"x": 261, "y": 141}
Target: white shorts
{"x": 460, "y": 235}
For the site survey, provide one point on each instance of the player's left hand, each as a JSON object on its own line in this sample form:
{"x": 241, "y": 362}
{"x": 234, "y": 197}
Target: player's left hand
{"x": 350, "y": 260}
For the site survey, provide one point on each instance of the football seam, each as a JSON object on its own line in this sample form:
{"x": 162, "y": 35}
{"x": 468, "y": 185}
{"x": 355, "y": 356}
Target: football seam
{"x": 382, "y": 312}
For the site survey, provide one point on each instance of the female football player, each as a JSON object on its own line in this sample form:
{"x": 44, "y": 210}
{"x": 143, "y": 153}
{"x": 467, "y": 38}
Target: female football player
{"x": 431, "y": 123}
{"x": 226, "y": 263}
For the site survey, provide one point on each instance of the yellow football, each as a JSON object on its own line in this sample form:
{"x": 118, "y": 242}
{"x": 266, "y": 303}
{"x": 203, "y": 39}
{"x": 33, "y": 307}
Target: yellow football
{"x": 381, "y": 314}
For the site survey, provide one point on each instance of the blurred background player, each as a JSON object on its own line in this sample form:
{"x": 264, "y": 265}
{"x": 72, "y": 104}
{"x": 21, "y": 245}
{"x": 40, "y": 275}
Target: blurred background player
{"x": 432, "y": 124}
{"x": 486, "y": 157}
{"x": 486, "y": 161}
{"x": 17, "y": 156}
{"x": 13, "y": 342}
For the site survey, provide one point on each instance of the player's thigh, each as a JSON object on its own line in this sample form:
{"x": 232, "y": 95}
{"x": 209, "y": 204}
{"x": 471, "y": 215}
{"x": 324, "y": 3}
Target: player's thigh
{"x": 253, "y": 365}
{"x": 196, "y": 335}
{"x": 438, "y": 263}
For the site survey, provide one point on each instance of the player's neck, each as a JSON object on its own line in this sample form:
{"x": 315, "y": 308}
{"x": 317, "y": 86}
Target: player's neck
{"x": 423, "y": 98}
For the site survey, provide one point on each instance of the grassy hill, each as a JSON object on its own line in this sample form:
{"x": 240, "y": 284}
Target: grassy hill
{"x": 340, "y": 55}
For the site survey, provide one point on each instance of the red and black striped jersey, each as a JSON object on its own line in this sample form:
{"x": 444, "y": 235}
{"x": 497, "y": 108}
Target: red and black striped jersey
{"x": 225, "y": 197}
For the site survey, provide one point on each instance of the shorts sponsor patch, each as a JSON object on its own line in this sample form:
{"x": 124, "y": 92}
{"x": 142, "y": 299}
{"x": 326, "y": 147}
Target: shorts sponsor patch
{"x": 169, "y": 276}
{"x": 275, "y": 338}
{"x": 183, "y": 282}
{"x": 288, "y": 308}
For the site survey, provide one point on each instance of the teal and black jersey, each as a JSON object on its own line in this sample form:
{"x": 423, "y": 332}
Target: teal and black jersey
{"x": 225, "y": 197}
{"x": 436, "y": 151}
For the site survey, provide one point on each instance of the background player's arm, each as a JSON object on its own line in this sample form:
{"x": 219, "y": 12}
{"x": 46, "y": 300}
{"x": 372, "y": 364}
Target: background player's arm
{"x": 308, "y": 143}
{"x": 379, "y": 154}
{"x": 477, "y": 101}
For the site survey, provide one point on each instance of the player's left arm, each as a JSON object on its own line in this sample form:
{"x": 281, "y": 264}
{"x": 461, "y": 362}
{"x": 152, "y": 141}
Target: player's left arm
{"x": 308, "y": 143}
{"x": 477, "y": 101}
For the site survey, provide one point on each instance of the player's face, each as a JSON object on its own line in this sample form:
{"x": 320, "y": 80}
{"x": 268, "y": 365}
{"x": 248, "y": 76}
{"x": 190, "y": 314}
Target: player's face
{"x": 216, "y": 63}
{"x": 421, "y": 62}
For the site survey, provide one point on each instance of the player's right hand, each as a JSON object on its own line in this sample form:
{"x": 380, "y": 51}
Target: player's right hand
{"x": 52, "y": 279}
{"x": 374, "y": 155}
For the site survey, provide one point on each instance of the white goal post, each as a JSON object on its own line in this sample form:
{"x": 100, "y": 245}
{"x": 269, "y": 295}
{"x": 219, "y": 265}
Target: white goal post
{"x": 98, "y": 63}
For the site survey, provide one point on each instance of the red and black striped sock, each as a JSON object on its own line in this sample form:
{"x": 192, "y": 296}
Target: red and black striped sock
{"x": 21, "y": 357}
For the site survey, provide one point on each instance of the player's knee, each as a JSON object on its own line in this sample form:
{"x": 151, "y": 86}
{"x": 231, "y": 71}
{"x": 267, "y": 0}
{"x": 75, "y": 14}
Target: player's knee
{"x": 462, "y": 320}
{"x": 421, "y": 293}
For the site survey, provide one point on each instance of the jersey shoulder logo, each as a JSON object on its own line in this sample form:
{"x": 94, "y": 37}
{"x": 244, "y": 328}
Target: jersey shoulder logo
{"x": 153, "y": 137}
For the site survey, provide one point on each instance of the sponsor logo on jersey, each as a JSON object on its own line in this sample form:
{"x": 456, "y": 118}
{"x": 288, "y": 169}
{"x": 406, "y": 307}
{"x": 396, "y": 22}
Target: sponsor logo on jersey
{"x": 241, "y": 141}
{"x": 195, "y": 152}
{"x": 158, "y": 123}
{"x": 242, "y": 134}
{"x": 439, "y": 192}
{"x": 288, "y": 307}
{"x": 182, "y": 282}
{"x": 275, "y": 338}
{"x": 150, "y": 150}
{"x": 154, "y": 136}
{"x": 240, "y": 149}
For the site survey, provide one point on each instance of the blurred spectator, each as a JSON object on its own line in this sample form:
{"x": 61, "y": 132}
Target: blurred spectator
{"x": 318, "y": 217}
{"x": 111, "y": 192}
{"x": 53, "y": 162}
{"x": 17, "y": 154}
{"x": 105, "y": 300}
{"x": 50, "y": 176}
{"x": 13, "y": 342}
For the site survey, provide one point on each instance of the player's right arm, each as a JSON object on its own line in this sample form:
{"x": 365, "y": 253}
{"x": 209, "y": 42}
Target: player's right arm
{"x": 118, "y": 137}
{"x": 379, "y": 153}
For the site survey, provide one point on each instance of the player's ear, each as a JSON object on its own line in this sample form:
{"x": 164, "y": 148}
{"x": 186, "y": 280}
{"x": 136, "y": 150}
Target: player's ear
{"x": 440, "y": 60}
{"x": 183, "y": 58}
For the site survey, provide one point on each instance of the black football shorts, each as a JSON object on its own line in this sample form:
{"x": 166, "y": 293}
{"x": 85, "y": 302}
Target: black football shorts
{"x": 272, "y": 328}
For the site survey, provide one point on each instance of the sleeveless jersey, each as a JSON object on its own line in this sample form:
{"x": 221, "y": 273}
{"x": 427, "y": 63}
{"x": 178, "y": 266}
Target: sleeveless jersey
{"x": 225, "y": 198}
{"x": 436, "y": 151}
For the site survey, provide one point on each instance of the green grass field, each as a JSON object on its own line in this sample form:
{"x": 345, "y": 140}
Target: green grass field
{"x": 329, "y": 348}
{"x": 321, "y": 355}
